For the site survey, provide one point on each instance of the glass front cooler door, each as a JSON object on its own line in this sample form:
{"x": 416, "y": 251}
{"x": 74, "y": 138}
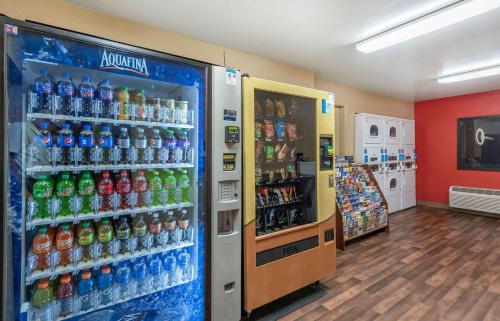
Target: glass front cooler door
{"x": 106, "y": 159}
{"x": 285, "y": 161}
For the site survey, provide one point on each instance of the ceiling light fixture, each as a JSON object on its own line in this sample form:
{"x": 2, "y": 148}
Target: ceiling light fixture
{"x": 435, "y": 20}
{"x": 470, "y": 74}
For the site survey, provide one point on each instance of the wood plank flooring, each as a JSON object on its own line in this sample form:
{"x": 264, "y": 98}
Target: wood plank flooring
{"x": 433, "y": 264}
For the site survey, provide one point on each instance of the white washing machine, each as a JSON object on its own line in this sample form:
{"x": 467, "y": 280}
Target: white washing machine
{"x": 392, "y": 131}
{"x": 392, "y": 190}
{"x": 371, "y": 128}
{"x": 380, "y": 177}
{"x": 372, "y": 154}
{"x": 408, "y": 189}
{"x": 407, "y": 132}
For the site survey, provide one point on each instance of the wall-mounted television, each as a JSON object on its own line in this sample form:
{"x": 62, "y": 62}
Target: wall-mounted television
{"x": 479, "y": 143}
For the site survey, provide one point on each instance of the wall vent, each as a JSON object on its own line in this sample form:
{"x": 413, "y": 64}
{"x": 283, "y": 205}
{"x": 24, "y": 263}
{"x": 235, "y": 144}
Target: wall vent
{"x": 475, "y": 199}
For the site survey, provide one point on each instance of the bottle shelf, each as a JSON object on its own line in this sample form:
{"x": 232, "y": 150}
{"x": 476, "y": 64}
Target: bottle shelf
{"x": 79, "y": 168}
{"x": 92, "y": 264}
{"x": 119, "y": 212}
{"x": 116, "y": 122}
{"x": 155, "y": 290}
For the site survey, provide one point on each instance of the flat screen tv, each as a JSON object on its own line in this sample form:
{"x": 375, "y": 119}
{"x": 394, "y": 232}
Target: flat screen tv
{"x": 479, "y": 143}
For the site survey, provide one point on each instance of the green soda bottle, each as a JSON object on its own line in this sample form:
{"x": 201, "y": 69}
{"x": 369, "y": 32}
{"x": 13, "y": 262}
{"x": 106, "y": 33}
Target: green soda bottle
{"x": 65, "y": 190}
{"x": 170, "y": 185}
{"x": 184, "y": 186}
{"x": 43, "y": 294}
{"x": 86, "y": 189}
{"x": 155, "y": 188}
{"x": 42, "y": 192}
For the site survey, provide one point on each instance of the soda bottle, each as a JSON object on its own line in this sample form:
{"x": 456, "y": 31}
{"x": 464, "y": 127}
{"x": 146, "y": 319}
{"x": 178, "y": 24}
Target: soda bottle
{"x": 183, "y": 223}
{"x": 123, "y": 233}
{"x": 42, "y": 299}
{"x": 140, "y": 186}
{"x": 104, "y": 236}
{"x": 42, "y": 194}
{"x": 140, "y": 103}
{"x": 183, "y": 262}
{"x": 85, "y": 288}
{"x": 122, "y": 97}
{"x": 184, "y": 186}
{"x": 86, "y": 142}
{"x": 43, "y": 141}
{"x": 155, "y": 228}
{"x": 105, "y": 95}
{"x": 156, "y": 143}
{"x": 105, "y": 189}
{"x": 43, "y": 88}
{"x": 123, "y": 279}
{"x": 124, "y": 144}
{"x": 65, "y": 295}
{"x": 170, "y": 185}
{"x": 105, "y": 285}
{"x": 139, "y": 229}
{"x": 85, "y": 239}
{"x": 140, "y": 272}
{"x": 140, "y": 143}
{"x": 105, "y": 142}
{"x": 66, "y": 141}
{"x": 155, "y": 272}
{"x": 66, "y": 91}
{"x": 123, "y": 188}
{"x": 171, "y": 145}
{"x": 183, "y": 146}
{"x": 64, "y": 243}
{"x": 155, "y": 187}
{"x": 169, "y": 224}
{"x": 65, "y": 190}
{"x": 86, "y": 93}
{"x": 86, "y": 189}
{"x": 42, "y": 246}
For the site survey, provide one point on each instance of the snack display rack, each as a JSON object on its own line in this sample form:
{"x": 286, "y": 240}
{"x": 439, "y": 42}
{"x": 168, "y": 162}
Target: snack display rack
{"x": 361, "y": 205}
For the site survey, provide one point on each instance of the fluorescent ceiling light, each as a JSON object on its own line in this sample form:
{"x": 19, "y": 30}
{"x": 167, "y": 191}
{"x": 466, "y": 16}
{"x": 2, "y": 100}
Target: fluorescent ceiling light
{"x": 470, "y": 74}
{"x": 436, "y": 20}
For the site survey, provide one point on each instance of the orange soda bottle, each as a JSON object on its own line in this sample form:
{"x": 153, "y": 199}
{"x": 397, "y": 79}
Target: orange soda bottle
{"x": 64, "y": 243}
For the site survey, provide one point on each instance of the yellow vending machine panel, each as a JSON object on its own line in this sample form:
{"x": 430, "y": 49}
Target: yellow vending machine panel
{"x": 289, "y": 189}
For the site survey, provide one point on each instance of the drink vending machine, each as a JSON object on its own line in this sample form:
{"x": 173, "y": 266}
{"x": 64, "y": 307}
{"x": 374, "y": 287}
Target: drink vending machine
{"x": 106, "y": 154}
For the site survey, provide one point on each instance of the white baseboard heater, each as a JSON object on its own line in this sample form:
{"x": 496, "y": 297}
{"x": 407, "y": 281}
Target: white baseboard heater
{"x": 475, "y": 199}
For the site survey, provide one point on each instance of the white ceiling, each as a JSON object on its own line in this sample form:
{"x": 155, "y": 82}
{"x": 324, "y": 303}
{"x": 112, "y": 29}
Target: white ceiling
{"x": 319, "y": 35}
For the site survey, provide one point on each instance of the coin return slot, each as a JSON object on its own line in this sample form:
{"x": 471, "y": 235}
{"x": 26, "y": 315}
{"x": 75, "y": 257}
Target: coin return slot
{"x": 225, "y": 224}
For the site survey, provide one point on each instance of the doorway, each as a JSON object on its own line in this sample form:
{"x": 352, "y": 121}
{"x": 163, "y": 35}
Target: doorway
{"x": 339, "y": 130}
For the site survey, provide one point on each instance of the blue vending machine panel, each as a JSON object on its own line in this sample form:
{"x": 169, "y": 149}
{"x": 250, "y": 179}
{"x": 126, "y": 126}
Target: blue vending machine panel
{"x": 106, "y": 188}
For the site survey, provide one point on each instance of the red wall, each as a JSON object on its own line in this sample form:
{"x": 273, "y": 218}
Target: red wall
{"x": 436, "y": 144}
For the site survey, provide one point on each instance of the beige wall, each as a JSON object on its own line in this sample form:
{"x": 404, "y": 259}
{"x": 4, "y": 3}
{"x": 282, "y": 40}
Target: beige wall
{"x": 358, "y": 101}
{"x": 69, "y": 16}
{"x": 72, "y": 17}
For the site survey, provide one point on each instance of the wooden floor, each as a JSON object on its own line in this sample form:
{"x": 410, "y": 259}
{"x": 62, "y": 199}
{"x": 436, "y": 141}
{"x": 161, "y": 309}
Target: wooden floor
{"x": 433, "y": 265}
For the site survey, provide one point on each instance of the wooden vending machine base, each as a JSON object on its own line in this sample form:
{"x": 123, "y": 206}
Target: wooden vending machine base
{"x": 271, "y": 281}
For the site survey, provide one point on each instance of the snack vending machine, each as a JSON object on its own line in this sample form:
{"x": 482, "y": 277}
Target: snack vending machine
{"x": 289, "y": 189}
{"x": 104, "y": 179}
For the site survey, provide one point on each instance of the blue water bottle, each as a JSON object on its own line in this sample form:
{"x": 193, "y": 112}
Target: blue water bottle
{"x": 169, "y": 265}
{"x": 105, "y": 285}
{"x": 155, "y": 271}
{"x": 140, "y": 273}
{"x": 122, "y": 280}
